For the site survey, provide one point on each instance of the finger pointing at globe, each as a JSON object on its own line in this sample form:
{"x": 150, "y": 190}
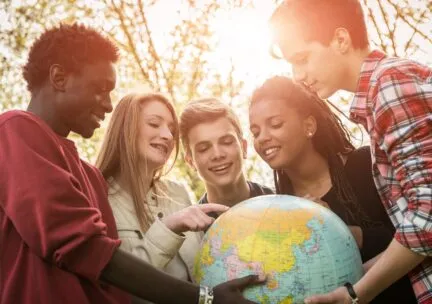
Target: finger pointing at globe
{"x": 193, "y": 218}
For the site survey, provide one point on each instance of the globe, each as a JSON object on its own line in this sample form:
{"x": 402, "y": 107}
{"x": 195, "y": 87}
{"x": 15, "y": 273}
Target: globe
{"x": 302, "y": 247}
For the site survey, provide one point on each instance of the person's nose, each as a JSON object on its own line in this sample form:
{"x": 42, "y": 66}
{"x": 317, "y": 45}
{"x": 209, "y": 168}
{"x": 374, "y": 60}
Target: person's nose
{"x": 166, "y": 133}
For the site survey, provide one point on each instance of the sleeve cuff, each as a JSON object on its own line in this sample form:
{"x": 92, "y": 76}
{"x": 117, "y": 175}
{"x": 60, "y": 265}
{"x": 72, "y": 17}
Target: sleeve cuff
{"x": 162, "y": 237}
{"x": 418, "y": 241}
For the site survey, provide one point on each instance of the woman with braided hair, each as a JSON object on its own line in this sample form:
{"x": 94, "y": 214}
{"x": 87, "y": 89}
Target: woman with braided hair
{"x": 305, "y": 143}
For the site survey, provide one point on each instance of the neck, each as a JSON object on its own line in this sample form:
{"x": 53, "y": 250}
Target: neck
{"x": 41, "y": 105}
{"x": 229, "y": 195}
{"x": 310, "y": 175}
{"x": 354, "y": 63}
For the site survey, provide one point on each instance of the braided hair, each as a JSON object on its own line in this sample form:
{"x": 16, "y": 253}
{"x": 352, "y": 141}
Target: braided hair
{"x": 331, "y": 140}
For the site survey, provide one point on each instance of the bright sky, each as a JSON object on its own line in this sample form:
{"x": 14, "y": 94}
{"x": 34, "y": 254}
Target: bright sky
{"x": 242, "y": 37}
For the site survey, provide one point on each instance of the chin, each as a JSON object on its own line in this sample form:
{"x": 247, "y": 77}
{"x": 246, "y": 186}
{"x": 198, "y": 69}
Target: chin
{"x": 86, "y": 134}
{"x": 275, "y": 165}
{"x": 155, "y": 163}
{"x": 223, "y": 182}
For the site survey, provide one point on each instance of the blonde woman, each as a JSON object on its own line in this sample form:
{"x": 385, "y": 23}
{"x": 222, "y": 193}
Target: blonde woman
{"x": 155, "y": 218}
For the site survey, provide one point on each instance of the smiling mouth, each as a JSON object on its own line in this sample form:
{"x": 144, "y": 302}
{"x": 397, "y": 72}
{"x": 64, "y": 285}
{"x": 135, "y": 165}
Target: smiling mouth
{"x": 270, "y": 152}
{"x": 161, "y": 148}
{"x": 221, "y": 169}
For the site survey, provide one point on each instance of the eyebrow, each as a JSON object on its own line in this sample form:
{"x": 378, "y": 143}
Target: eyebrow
{"x": 206, "y": 142}
{"x": 266, "y": 120}
{"x": 106, "y": 84}
{"x": 156, "y": 116}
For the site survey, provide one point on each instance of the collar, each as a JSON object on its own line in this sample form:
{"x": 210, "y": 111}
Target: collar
{"x": 115, "y": 189}
{"x": 358, "y": 109}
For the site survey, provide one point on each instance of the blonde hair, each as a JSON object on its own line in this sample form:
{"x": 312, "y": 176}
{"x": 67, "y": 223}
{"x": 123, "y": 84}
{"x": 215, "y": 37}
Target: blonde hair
{"x": 205, "y": 110}
{"x": 119, "y": 151}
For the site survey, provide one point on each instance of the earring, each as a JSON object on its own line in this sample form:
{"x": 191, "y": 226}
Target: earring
{"x": 310, "y": 134}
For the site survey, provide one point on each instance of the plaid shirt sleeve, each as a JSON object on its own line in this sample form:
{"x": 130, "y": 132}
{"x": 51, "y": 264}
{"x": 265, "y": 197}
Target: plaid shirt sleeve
{"x": 402, "y": 119}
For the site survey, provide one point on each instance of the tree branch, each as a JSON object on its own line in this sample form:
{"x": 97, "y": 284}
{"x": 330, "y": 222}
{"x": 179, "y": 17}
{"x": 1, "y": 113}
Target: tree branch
{"x": 153, "y": 52}
{"x": 412, "y": 26}
{"x": 131, "y": 44}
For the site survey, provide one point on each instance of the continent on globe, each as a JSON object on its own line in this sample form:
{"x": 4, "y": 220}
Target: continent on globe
{"x": 302, "y": 247}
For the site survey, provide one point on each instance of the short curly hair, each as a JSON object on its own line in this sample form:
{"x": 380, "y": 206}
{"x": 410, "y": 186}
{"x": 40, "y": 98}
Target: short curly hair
{"x": 71, "y": 46}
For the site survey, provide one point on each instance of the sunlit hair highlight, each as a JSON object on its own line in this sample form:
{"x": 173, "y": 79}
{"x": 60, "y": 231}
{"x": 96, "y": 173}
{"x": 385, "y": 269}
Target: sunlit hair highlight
{"x": 203, "y": 111}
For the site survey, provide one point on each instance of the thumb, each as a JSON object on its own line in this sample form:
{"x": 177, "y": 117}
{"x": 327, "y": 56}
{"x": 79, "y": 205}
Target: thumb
{"x": 247, "y": 281}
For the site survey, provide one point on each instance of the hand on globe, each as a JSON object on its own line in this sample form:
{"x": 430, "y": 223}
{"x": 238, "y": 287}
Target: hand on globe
{"x": 193, "y": 218}
{"x": 231, "y": 292}
{"x": 337, "y": 296}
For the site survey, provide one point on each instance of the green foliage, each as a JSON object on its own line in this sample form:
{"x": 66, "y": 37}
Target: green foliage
{"x": 169, "y": 46}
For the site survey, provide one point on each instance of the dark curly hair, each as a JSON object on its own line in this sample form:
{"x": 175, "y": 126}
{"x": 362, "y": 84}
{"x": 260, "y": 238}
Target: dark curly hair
{"x": 71, "y": 46}
{"x": 331, "y": 139}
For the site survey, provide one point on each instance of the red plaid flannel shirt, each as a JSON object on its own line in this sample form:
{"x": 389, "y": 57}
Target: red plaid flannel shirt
{"x": 393, "y": 102}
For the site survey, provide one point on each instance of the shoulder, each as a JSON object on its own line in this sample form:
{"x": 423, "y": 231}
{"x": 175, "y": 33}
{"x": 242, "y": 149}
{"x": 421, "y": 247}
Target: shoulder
{"x": 171, "y": 186}
{"x": 392, "y": 68}
{"x": 176, "y": 190}
{"x": 358, "y": 165}
{"x": 359, "y": 159}
{"x": 29, "y": 134}
{"x": 95, "y": 173}
{"x": 258, "y": 189}
{"x": 22, "y": 120}
{"x": 362, "y": 154}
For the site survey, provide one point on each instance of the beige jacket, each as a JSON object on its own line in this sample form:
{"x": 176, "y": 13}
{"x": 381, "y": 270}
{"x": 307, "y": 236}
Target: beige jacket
{"x": 158, "y": 245}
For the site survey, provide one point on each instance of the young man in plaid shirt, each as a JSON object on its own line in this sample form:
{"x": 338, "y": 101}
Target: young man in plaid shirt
{"x": 326, "y": 43}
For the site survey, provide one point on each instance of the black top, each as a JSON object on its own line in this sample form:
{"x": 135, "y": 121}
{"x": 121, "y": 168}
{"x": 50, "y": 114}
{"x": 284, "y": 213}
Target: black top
{"x": 255, "y": 190}
{"x": 358, "y": 171}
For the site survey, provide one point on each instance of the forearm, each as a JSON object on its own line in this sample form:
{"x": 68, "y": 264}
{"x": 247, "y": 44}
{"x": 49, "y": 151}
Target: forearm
{"x": 369, "y": 264}
{"x": 395, "y": 262}
{"x": 139, "y": 278}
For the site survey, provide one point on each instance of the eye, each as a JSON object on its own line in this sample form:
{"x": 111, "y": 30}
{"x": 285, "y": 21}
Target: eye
{"x": 202, "y": 149}
{"x": 153, "y": 125}
{"x": 228, "y": 141}
{"x": 255, "y": 134}
{"x": 276, "y": 125}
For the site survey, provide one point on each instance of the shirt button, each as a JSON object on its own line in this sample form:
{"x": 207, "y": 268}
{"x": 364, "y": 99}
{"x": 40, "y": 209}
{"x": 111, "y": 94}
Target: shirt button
{"x": 160, "y": 215}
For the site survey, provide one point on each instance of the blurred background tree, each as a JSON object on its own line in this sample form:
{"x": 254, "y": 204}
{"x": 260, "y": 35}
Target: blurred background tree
{"x": 189, "y": 49}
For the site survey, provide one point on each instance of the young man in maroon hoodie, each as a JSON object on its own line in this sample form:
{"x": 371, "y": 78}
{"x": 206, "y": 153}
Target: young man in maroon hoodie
{"x": 58, "y": 237}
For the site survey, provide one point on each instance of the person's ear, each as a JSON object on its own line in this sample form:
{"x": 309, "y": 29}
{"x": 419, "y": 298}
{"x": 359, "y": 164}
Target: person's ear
{"x": 342, "y": 40}
{"x": 189, "y": 160}
{"x": 244, "y": 147}
{"x": 57, "y": 77}
{"x": 310, "y": 126}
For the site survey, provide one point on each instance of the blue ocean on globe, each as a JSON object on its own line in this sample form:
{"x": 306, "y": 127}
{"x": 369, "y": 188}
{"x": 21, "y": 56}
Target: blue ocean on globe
{"x": 302, "y": 247}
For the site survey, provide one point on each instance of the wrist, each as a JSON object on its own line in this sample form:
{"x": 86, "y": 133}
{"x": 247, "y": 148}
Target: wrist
{"x": 205, "y": 295}
{"x": 169, "y": 225}
{"x": 352, "y": 295}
